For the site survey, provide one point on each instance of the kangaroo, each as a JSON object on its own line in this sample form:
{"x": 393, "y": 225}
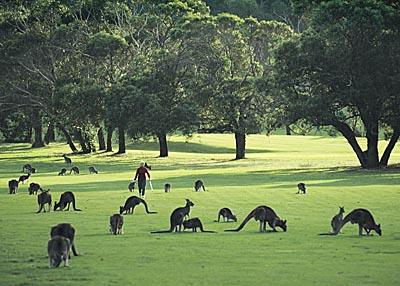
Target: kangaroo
{"x": 92, "y": 170}
{"x": 58, "y": 250}
{"x": 24, "y": 178}
{"x": 131, "y": 203}
{"x": 131, "y": 186}
{"x": 13, "y": 186}
{"x": 194, "y": 223}
{"x": 198, "y": 185}
{"x": 33, "y": 188}
{"x": 66, "y": 230}
{"x": 67, "y": 160}
{"x": 116, "y": 224}
{"x": 62, "y": 172}
{"x": 363, "y": 218}
{"x": 337, "y": 219}
{"x": 66, "y": 199}
{"x": 27, "y": 168}
{"x": 44, "y": 198}
{"x": 265, "y": 215}
{"x": 167, "y": 188}
{"x": 301, "y": 188}
{"x": 74, "y": 169}
{"x": 176, "y": 218}
{"x": 226, "y": 214}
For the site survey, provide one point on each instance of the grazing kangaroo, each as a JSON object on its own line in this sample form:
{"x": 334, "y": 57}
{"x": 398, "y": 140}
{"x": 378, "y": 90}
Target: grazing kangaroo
{"x": 167, "y": 188}
{"x": 226, "y": 214}
{"x": 34, "y": 188}
{"x": 265, "y": 215}
{"x": 116, "y": 224}
{"x": 27, "y": 168}
{"x": 58, "y": 250}
{"x": 62, "y": 172}
{"x": 23, "y": 178}
{"x": 131, "y": 186}
{"x": 67, "y": 160}
{"x": 74, "y": 169}
{"x": 176, "y": 218}
{"x": 131, "y": 203}
{"x": 92, "y": 170}
{"x": 44, "y": 198}
{"x": 194, "y": 223}
{"x": 301, "y": 188}
{"x": 337, "y": 219}
{"x": 66, "y": 230}
{"x": 13, "y": 186}
{"x": 66, "y": 199}
{"x": 198, "y": 185}
{"x": 364, "y": 219}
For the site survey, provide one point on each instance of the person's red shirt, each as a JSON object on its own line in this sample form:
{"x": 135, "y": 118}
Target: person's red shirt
{"x": 141, "y": 173}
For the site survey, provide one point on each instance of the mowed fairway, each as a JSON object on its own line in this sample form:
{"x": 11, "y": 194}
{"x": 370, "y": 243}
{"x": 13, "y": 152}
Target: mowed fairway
{"x": 269, "y": 175}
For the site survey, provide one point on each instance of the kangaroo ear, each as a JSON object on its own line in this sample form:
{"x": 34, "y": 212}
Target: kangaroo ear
{"x": 379, "y": 225}
{"x": 284, "y": 221}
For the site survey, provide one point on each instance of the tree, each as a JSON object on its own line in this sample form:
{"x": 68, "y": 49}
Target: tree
{"x": 345, "y": 65}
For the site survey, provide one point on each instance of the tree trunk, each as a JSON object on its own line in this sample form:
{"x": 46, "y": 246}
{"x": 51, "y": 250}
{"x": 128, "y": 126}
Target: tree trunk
{"x": 79, "y": 136}
{"x": 37, "y": 127}
{"x": 389, "y": 148}
{"x": 372, "y": 143}
{"x": 110, "y": 131}
{"x": 121, "y": 140}
{"x": 240, "y": 139}
{"x": 68, "y": 137}
{"x": 348, "y": 133}
{"x": 50, "y": 136}
{"x": 162, "y": 139}
{"x": 288, "y": 130}
{"x": 100, "y": 137}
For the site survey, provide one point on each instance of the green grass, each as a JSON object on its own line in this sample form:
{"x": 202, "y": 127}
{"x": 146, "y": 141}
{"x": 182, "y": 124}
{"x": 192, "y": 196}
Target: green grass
{"x": 269, "y": 175}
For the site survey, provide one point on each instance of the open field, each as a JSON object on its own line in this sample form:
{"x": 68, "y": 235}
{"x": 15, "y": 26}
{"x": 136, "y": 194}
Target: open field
{"x": 269, "y": 175}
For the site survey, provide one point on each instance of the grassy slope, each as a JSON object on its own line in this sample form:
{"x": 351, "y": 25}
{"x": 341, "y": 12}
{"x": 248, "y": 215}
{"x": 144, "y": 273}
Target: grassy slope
{"x": 269, "y": 176}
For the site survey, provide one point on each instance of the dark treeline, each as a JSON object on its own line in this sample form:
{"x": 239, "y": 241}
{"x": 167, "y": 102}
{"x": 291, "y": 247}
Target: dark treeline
{"x": 137, "y": 69}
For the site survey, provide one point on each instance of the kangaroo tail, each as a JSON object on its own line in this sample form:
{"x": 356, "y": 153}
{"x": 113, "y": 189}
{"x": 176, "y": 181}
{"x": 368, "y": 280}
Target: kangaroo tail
{"x": 207, "y": 231}
{"x": 146, "y": 207}
{"x": 328, "y": 233}
{"x": 74, "y": 250}
{"x": 73, "y": 205}
{"x": 246, "y": 220}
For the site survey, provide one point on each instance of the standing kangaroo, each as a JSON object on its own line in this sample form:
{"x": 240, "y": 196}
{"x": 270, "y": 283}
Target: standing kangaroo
{"x": 34, "y": 188}
{"x": 67, "y": 160}
{"x": 66, "y": 230}
{"x": 226, "y": 214}
{"x": 116, "y": 224}
{"x": 194, "y": 223}
{"x": 198, "y": 185}
{"x": 66, "y": 199}
{"x": 364, "y": 219}
{"x": 337, "y": 219}
{"x": 23, "y": 178}
{"x": 44, "y": 198}
{"x": 177, "y": 217}
{"x": 58, "y": 250}
{"x": 131, "y": 203}
{"x": 167, "y": 188}
{"x": 13, "y": 186}
{"x": 265, "y": 215}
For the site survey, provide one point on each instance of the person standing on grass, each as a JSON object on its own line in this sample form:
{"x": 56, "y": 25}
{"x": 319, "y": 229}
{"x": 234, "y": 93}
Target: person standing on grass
{"x": 141, "y": 177}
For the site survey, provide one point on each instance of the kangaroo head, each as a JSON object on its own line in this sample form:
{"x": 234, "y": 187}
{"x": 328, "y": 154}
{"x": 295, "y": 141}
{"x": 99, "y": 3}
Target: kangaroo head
{"x": 121, "y": 209}
{"x": 56, "y": 205}
{"x": 234, "y": 218}
{"x": 378, "y": 229}
{"x": 282, "y": 224}
{"x": 189, "y": 203}
{"x": 341, "y": 210}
